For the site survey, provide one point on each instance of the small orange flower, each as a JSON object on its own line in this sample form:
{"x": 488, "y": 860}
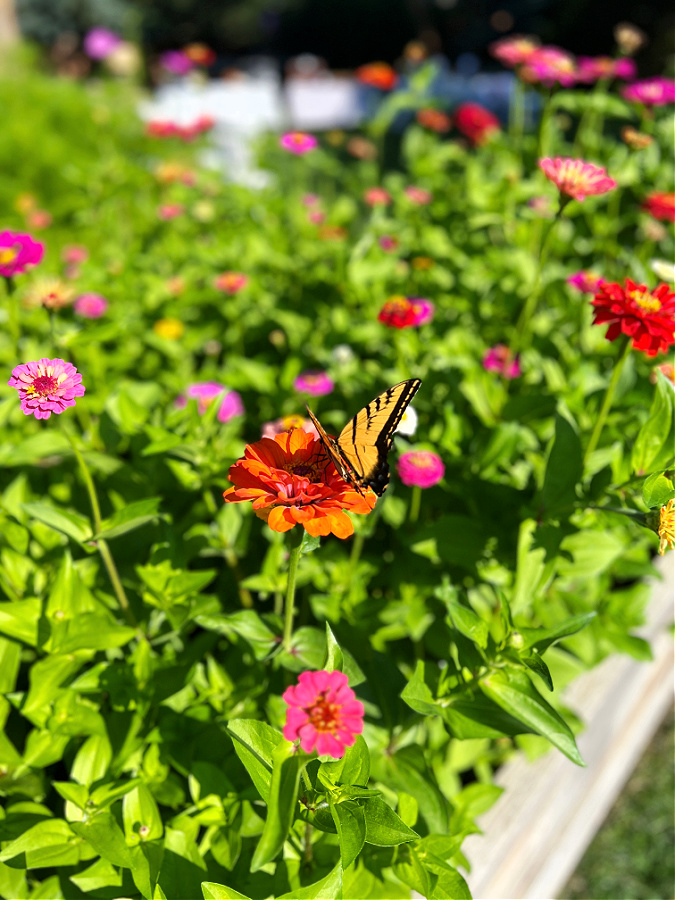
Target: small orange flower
{"x": 434, "y": 120}
{"x": 291, "y": 481}
{"x": 377, "y": 74}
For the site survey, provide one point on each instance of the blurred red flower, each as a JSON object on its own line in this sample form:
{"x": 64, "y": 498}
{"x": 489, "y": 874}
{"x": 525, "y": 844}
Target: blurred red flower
{"x": 377, "y": 74}
{"x": 476, "y": 123}
{"x": 661, "y": 206}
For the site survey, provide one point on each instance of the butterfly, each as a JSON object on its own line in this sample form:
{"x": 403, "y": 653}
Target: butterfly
{"x": 360, "y": 451}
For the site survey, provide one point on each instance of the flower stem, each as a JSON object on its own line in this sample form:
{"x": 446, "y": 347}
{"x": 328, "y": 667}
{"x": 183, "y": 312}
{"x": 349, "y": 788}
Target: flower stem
{"x": 609, "y": 396}
{"x": 289, "y": 606}
{"x": 102, "y": 546}
{"x": 415, "y": 500}
{"x": 14, "y": 321}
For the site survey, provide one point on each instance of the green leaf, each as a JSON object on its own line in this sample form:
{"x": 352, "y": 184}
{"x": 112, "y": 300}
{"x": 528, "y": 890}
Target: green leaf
{"x": 329, "y": 888}
{"x": 334, "y": 658}
{"x": 132, "y": 516}
{"x": 20, "y": 618}
{"x": 254, "y": 744}
{"x": 655, "y": 432}
{"x": 90, "y": 631}
{"x": 281, "y": 804}
{"x": 657, "y": 490}
{"x": 515, "y": 693}
{"x": 407, "y": 770}
{"x": 383, "y": 827}
{"x": 104, "y": 835}
{"x": 420, "y": 692}
{"x": 542, "y": 638}
{"x": 141, "y": 817}
{"x": 213, "y": 891}
{"x": 247, "y": 624}
{"x": 353, "y": 768}
{"x": 68, "y": 522}
{"x": 74, "y": 793}
{"x": 468, "y": 623}
{"x": 480, "y": 717}
{"x": 350, "y": 824}
{"x": 564, "y": 467}
{"x": 49, "y": 843}
{"x": 101, "y": 874}
{"x": 535, "y": 663}
{"x": 92, "y": 760}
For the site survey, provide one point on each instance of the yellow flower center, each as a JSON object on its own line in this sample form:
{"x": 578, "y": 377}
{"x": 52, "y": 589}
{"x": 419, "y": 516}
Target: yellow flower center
{"x": 294, "y": 421}
{"x": 646, "y": 301}
{"x": 324, "y": 716}
{"x": 666, "y": 530}
{"x": 8, "y": 255}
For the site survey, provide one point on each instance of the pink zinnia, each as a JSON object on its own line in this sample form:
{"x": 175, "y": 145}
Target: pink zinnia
{"x": 74, "y": 254}
{"x": 406, "y": 312}
{"x": 311, "y": 200}
{"x": 388, "y": 243}
{"x": 298, "y": 142}
{"x": 168, "y": 211}
{"x": 207, "y": 391}
{"x": 288, "y": 423}
{"x": 500, "y": 359}
{"x": 314, "y": 383}
{"x": 595, "y": 68}
{"x": 420, "y": 468}
{"x": 585, "y": 281}
{"x": 377, "y": 196}
{"x": 231, "y": 282}
{"x": 39, "y": 218}
{"x": 46, "y": 386}
{"x": 176, "y": 62}
{"x": 162, "y": 128}
{"x": 90, "y": 306}
{"x": 418, "y": 195}
{"x": 651, "y": 91}
{"x": 100, "y": 43}
{"x": 323, "y": 713}
{"x": 316, "y": 216}
{"x": 17, "y": 252}
{"x": 576, "y": 178}
{"x": 550, "y": 65}
{"x": 515, "y": 50}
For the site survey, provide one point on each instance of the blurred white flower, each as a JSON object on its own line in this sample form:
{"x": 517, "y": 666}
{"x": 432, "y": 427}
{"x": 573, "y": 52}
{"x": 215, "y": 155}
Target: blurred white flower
{"x": 342, "y": 354}
{"x": 408, "y": 423}
{"x": 663, "y": 269}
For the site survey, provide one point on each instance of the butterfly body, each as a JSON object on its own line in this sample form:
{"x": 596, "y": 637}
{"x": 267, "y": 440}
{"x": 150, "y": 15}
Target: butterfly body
{"x": 360, "y": 451}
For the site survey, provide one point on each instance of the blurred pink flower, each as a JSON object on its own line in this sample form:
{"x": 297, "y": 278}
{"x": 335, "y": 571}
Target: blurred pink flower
{"x": 323, "y": 713}
{"x": 651, "y": 91}
{"x": 500, "y": 359}
{"x": 311, "y": 200}
{"x": 420, "y": 468}
{"x": 514, "y": 50}
{"x": 100, "y": 43}
{"x": 595, "y": 68}
{"x": 377, "y": 196}
{"x": 17, "y": 252}
{"x": 168, "y": 211}
{"x": 585, "y": 281}
{"x": 231, "y": 282}
{"x": 550, "y": 65}
{"x": 74, "y": 254}
{"x": 542, "y": 206}
{"x": 288, "y": 423}
{"x": 417, "y": 195}
{"x": 90, "y": 306}
{"x": 46, "y": 386}
{"x": 576, "y": 178}
{"x": 314, "y": 383}
{"x": 39, "y": 218}
{"x": 406, "y": 312}
{"x": 388, "y": 243}
{"x": 316, "y": 216}
{"x": 176, "y": 62}
{"x": 298, "y": 142}
{"x": 205, "y": 392}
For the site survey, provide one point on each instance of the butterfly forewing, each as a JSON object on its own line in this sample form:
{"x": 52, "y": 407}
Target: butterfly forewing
{"x": 360, "y": 452}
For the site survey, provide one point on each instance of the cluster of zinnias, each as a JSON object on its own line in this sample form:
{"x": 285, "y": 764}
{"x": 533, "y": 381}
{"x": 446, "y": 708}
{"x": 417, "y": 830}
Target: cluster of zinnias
{"x": 323, "y": 713}
{"x": 646, "y": 317}
{"x": 18, "y": 252}
{"x": 476, "y": 123}
{"x": 576, "y": 178}
{"x": 314, "y": 382}
{"x": 291, "y": 481}
{"x": 231, "y": 282}
{"x": 660, "y": 205}
{"x": 160, "y": 128}
{"x": 378, "y": 74}
{"x": 501, "y": 359}
{"x": 420, "y": 468}
{"x": 406, "y": 312}
{"x": 46, "y": 386}
{"x": 651, "y": 91}
{"x": 205, "y": 392}
{"x": 298, "y": 142}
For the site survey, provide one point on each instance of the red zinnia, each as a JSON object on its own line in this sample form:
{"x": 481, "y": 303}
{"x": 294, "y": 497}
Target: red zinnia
{"x": 475, "y": 122}
{"x": 291, "y": 481}
{"x": 661, "y": 206}
{"x": 647, "y": 317}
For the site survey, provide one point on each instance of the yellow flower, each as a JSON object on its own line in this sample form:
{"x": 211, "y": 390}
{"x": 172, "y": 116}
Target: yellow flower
{"x": 171, "y": 329}
{"x": 666, "y": 529}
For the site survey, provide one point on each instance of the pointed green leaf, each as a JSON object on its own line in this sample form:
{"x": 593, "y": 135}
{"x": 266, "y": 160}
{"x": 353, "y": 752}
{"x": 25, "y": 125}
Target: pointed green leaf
{"x": 329, "y": 888}
{"x": 350, "y": 824}
{"x": 281, "y": 804}
{"x": 213, "y": 891}
{"x": 353, "y": 768}
{"x": 254, "y": 744}
{"x": 564, "y": 467}
{"x": 132, "y": 516}
{"x": 383, "y": 827}
{"x": 68, "y": 522}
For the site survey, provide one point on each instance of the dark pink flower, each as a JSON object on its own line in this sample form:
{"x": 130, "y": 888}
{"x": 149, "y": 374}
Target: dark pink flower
{"x": 323, "y": 713}
{"x": 90, "y": 306}
{"x": 314, "y": 383}
{"x": 549, "y": 66}
{"x": 576, "y": 178}
{"x": 651, "y": 91}
{"x": 595, "y": 68}
{"x": 100, "y": 43}
{"x": 176, "y": 62}
{"x": 500, "y": 359}
{"x": 168, "y": 211}
{"x": 406, "y": 312}
{"x": 586, "y": 282}
{"x": 476, "y": 123}
{"x": 207, "y": 391}
{"x": 298, "y": 142}
{"x": 420, "y": 468}
{"x": 46, "y": 386}
{"x": 231, "y": 282}
{"x": 514, "y": 50}
{"x": 17, "y": 252}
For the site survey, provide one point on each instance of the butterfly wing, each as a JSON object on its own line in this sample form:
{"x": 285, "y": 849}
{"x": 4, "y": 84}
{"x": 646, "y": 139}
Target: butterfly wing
{"x": 365, "y": 441}
{"x": 332, "y": 449}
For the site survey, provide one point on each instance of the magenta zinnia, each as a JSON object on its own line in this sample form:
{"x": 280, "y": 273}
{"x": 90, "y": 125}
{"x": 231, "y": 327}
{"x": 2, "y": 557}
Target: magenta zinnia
{"x": 576, "y": 178}
{"x": 420, "y": 468}
{"x": 17, "y": 252}
{"x": 46, "y": 386}
{"x": 298, "y": 142}
{"x": 323, "y": 713}
{"x": 651, "y": 91}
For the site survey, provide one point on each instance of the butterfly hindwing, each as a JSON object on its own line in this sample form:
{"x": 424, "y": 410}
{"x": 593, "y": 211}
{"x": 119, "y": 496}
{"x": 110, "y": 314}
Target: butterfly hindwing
{"x": 360, "y": 452}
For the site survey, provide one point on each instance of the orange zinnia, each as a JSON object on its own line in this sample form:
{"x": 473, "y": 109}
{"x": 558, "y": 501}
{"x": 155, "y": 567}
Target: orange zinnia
{"x": 292, "y": 481}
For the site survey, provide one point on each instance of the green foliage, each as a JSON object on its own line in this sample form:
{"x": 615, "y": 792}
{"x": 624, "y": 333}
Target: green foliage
{"x": 141, "y": 745}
